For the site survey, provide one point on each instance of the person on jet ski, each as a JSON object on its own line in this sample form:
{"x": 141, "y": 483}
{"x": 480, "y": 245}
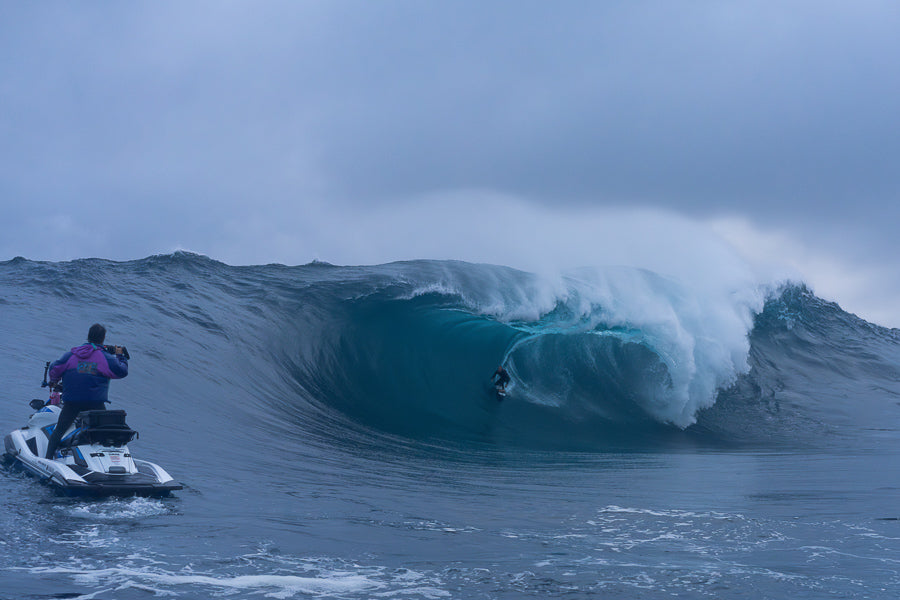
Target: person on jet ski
{"x": 85, "y": 372}
{"x": 503, "y": 378}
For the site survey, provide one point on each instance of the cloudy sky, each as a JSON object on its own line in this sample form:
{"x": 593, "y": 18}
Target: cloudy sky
{"x": 362, "y": 132}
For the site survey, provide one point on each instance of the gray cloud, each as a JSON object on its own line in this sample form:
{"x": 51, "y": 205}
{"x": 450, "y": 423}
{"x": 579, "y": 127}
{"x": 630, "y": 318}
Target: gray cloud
{"x": 162, "y": 125}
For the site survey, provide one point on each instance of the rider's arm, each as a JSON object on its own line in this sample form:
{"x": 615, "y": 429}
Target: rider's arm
{"x": 57, "y": 368}
{"x": 118, "y": 365}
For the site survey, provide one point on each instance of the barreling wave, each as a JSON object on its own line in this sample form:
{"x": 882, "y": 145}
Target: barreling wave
{"x": 598, "y": 357}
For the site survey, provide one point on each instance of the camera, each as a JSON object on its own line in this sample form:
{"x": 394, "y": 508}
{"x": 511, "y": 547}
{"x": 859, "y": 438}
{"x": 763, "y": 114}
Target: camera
{"x": 118, "y": 350}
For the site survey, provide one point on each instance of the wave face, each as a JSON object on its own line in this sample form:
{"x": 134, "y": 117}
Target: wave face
{"x": 599, "y": 358}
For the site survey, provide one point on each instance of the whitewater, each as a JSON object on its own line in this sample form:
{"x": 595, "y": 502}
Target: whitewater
{"x": 666, "y": 434}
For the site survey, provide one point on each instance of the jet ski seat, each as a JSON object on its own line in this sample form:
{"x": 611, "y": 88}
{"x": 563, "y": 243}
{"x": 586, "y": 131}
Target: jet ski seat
{"x": 106, "y": 427}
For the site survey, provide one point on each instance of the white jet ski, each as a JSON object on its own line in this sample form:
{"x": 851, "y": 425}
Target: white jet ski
{"x": 92, "y": 459}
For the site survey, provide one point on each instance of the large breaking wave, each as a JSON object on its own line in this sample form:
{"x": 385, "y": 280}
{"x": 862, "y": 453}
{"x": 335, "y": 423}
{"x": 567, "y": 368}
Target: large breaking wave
{"x": 598, "y": 357}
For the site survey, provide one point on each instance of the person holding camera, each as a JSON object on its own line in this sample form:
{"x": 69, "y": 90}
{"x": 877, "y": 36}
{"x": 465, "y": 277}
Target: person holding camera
{"x": 85, "y": 372}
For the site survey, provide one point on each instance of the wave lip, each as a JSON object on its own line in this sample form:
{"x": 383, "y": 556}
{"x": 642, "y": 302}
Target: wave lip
{"x": 667, "y": 348}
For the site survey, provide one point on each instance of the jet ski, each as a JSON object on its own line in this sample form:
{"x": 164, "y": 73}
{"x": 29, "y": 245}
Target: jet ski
{"x": 93, "y": 458}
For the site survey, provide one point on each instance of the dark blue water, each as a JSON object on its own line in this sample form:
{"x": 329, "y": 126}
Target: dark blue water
{"x": 336, "y": 435}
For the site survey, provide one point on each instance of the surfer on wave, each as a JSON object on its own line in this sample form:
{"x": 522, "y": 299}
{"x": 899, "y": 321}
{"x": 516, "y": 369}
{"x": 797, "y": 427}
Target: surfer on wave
{"x": 502, "y": 379}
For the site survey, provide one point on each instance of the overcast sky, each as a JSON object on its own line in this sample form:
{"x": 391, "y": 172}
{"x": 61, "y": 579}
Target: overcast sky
{"x": 362, "y": 132}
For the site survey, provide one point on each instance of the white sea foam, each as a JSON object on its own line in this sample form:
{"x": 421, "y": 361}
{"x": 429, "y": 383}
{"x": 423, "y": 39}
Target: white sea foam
{"x": 269, "y": 585}
{"x": 698, "y": 330}
{"x": 117, "y": 509}
{"x": 260, "y": 573}
{"x": 86, "y": 537}
{"x": 670, "y": 513}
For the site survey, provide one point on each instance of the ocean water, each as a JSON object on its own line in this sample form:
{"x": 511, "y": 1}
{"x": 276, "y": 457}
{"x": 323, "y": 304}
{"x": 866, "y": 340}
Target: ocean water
{"x": 336, "y": 435}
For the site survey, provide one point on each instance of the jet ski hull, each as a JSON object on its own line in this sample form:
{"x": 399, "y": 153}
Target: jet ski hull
{"x": 83, "y": 469}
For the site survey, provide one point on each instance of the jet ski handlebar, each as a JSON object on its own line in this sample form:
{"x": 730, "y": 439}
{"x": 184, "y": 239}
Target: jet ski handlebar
{"x": 45, "y": 383}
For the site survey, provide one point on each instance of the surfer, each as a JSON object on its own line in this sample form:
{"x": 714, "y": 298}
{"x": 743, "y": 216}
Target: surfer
{"x": 502, "y": 379}
{"x": 85, "y": 372}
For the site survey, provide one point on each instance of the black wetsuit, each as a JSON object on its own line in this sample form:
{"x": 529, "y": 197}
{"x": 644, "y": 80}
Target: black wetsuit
{"x": 503, "y": 377}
